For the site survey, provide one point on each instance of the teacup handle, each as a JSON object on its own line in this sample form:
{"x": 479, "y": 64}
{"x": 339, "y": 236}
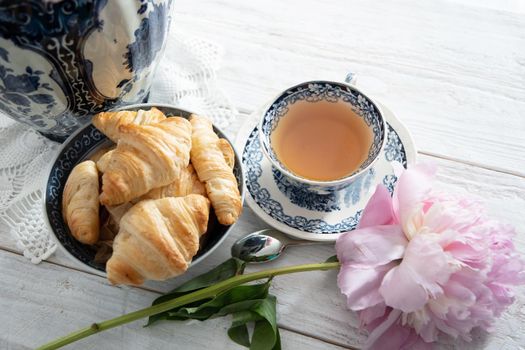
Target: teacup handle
{"x": 351, "y": 78}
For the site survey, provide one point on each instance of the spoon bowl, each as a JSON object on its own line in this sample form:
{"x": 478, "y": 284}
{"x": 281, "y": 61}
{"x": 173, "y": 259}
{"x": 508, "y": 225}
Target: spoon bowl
{"x": 264, "y": 246}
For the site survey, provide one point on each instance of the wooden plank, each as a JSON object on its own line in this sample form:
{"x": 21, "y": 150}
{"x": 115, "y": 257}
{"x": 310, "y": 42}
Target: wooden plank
{"x": 454, "y": 73}
{"x": 50, "y": 301}
{"x": 311, "y": 304}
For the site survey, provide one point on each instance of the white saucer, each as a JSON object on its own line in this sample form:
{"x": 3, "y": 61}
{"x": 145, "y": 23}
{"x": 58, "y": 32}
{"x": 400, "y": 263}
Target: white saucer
{"x": 311, "y": 216}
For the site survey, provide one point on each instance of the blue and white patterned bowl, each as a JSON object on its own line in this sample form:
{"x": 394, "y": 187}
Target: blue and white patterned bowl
{"x": 312, "y": 92}
{"x": 79, "y": 147}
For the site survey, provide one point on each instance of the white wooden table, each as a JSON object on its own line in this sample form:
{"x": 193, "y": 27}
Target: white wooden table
{"x": 453, "y": 71}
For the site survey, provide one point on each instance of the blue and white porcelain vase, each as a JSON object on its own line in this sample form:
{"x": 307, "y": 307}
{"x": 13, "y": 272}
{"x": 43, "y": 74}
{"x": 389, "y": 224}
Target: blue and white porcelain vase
{"x": 61, "y": 61}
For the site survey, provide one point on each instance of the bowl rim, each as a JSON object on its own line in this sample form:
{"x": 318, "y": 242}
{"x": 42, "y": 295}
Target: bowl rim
{"x": 344, "y": 180}
{"x": 79, "y": 130}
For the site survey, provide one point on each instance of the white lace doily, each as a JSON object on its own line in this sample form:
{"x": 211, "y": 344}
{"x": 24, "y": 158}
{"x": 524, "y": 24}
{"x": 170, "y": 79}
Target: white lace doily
{"x": 186, "y": 77}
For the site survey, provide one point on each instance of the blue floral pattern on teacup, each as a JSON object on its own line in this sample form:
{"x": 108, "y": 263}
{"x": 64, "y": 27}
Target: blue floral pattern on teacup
{"x": 253, "y": 157}
{"x": 301, "y": 195}
{"x": 325, "y": 91}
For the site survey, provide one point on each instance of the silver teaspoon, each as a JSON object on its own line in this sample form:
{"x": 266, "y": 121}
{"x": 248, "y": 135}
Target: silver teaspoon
{"x": 265, "y": 245}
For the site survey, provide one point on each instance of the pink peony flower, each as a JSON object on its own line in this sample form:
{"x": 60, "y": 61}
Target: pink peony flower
{"x": 424, "y": 263}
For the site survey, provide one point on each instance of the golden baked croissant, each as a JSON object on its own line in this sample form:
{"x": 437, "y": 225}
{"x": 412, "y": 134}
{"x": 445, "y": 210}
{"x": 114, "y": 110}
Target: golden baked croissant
{"x": 109, "y": 122}
{"x": 213, "y": 170}
{"x": 187, "y": 183}
{"x": 146, "y": 157}
{"x": 80, "y": 206}
{"x": 100, "y": 153}
{"x": 157, "y": 239}
{"x": 227, "y": 152}
{"x": 103, "y": 161}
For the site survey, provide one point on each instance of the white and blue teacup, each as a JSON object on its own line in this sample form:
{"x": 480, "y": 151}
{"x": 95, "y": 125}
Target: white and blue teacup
{"x": 312, "y": 92}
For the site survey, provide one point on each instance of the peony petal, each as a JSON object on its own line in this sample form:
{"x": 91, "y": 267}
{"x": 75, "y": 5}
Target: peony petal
{"x": 373, "y": 341}
{"x": 415, "y": 342}
{"x": 469, "y": 254}
{"x": 378, "y": 210}
{"x": 446, "y": 329}
{"x": 508, "y": 269}
{"x": 459, "y": 293}
{"x": 424, "y": 267}
{"x": 412, "y": 188}
{"x": 371, "y": 246}
{"x": 400, "y": 290}
{"x": 503, "y": 297}
{"x": 369, "y": 315}
{"x": 452, "y": 214}
{"x": 360, "y": 285}
{"x": 390, "y": 335}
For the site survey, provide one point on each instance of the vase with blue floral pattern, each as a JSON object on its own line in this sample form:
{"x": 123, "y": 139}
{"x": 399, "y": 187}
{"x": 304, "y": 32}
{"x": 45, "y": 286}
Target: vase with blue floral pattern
{"x": 62, "y": 61}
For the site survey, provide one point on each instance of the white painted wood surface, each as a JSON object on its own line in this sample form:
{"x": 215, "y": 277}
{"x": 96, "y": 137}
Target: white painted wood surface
{"x": 453, "y": 71}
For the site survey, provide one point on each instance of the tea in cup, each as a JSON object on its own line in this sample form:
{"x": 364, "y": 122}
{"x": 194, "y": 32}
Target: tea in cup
{"x": 322, "y": 134}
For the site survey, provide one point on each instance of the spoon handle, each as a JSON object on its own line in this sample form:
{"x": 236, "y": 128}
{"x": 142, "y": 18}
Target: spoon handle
{"x": 305, "y": 243}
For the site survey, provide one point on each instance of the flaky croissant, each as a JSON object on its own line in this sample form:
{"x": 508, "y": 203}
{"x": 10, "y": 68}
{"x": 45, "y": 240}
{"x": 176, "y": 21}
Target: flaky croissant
{"x": 109, "y": 122}
{"x": 103, "y": 161}
{"x": 158, "y": 239}
{"x": 100, "y": 153}
{"x": 212, "y": 169}
{"x": 80, "y": 207}
{"x": 227, "y": 152}
{"x": 187, "y": 183}
{"x": 146, "y": 157}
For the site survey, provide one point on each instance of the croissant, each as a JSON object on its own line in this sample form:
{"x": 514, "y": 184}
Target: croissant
{"x": 146, "y": 157}
{"x": 227, "y": 152}
{"x": 187, "y": 183}
{"x": 213, "y": 170}
{"x": 80, "y": 206}
{"x": 157, "y": 239}
{"x": 100, "y": 153}
{"x": 109, "y": 122}
{"x": 103, "y": 161}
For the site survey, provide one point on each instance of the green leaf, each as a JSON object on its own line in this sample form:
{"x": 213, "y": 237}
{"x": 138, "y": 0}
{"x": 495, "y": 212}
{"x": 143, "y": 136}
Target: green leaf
{"x": 248, "y": 304}
{"x": 332, "y": 259}
{"x": 263, "y": 336}
{"x": 265, "y": 332}
{"x": 238, "y": 298}
{"x": 262, "y": 313}
{"x": 277, "y": 345}
{"x": 238, "y": 331}
{"x": 242, "y": 305}
{"x": 244, "y": 317}
{"x": 205, "y": 309}
{"x": 230, "y": 268}
{"x": 240, "y": 335}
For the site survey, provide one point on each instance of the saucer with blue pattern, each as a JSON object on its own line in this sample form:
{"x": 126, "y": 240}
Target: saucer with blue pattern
{"x": 320, "y": 217}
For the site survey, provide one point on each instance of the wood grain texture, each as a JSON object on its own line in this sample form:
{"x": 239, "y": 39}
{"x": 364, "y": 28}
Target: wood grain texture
{"x": 51, "y": 301}
{"x": 454, "y": 73}
{"x": 310, "y": 303}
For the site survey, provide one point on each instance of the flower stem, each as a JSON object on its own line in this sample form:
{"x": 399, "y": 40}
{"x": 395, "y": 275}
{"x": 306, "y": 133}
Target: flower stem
{"x": 183, "y": 300}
